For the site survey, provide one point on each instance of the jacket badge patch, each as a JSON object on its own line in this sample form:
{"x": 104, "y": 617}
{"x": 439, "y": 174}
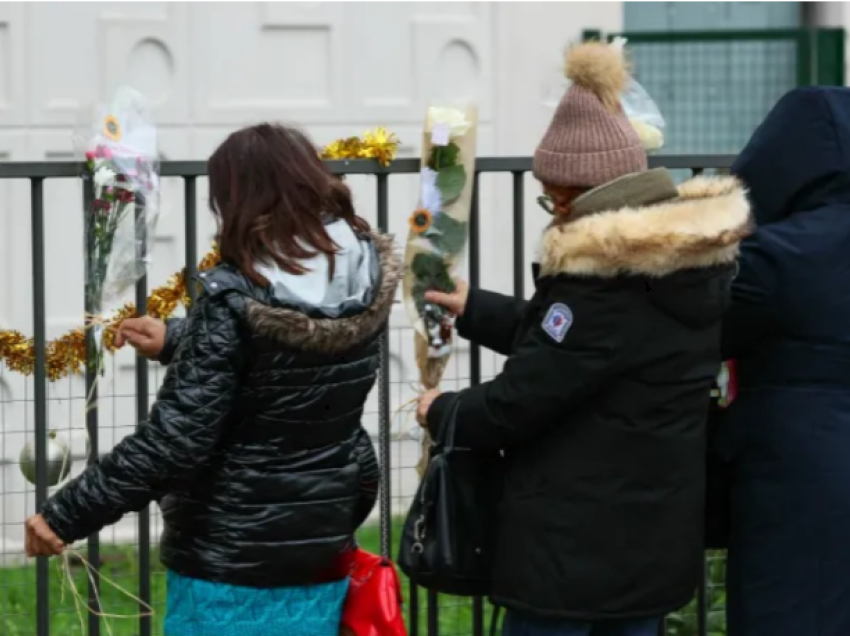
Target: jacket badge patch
{"x": 558, "y": 321}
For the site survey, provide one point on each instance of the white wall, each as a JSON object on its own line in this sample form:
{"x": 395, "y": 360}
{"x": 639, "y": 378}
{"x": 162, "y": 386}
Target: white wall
{"x": 335, "y": 68}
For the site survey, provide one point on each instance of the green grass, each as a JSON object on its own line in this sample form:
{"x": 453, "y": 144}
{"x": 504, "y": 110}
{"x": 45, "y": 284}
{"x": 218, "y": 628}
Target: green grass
{"x": 120, "y": 564}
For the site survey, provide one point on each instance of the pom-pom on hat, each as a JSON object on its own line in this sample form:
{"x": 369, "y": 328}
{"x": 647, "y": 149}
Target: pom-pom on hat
{"x": 590, "y": 140}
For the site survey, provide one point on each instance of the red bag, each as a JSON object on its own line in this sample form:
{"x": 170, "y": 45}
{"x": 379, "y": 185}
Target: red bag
{"x": 373, "y": 604}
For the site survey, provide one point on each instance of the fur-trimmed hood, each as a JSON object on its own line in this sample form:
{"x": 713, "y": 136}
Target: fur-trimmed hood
{"x": 305, "y": 328}
{"x": 701, "y": 227}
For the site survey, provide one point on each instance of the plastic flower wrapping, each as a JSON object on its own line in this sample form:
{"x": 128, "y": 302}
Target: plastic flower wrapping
{"x": 641, "y": 110}
{"x": 439, "y": 227}
{"x": 120, "y": 149}
{"x": 439, "y": 224}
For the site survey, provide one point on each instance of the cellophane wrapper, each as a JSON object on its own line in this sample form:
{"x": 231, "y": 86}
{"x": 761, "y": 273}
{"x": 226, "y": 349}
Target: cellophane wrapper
{"x": 641, "y": 110}
{"x": 119, "y": 145}
{"x": 439, "y": 226}
{"x": 643, "y": 113}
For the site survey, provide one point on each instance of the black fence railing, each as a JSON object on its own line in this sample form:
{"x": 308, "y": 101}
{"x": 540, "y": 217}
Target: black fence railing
{"x": 32, "y": 600}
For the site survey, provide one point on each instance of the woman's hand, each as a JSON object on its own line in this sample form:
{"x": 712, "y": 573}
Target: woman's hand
{"x": 455, "y": 301}
{"x": 424, "y": 404}
{"x": 145, "y": 334}
{"x": 40, "y": 540}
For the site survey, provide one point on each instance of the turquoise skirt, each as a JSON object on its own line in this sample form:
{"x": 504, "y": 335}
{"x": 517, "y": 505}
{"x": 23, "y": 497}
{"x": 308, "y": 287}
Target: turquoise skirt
{"x": 202, "y": 608}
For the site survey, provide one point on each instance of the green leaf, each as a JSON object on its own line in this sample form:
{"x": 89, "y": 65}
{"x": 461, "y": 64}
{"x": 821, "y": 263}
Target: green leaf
{"x": 431, "y": 269}
{"x": 450, "y": 183}
{"x": 443, "y": 157}
{"x": 430, "y": 272}
{"x": 447, "y": 234}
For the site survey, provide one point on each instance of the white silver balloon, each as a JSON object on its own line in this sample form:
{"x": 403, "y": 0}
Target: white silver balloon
{"x": 58, "y": 461}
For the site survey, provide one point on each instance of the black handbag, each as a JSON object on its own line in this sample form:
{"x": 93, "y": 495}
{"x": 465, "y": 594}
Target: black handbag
{"x": 449, "y": 535}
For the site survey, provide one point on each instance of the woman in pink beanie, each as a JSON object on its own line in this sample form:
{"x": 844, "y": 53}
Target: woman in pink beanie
{"x": 601, "y": 406}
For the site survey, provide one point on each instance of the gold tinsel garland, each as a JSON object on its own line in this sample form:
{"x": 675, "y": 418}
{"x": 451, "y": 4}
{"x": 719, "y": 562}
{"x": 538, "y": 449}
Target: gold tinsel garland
{"x": 378, "y": 144}
{"x": 67, "y": 354}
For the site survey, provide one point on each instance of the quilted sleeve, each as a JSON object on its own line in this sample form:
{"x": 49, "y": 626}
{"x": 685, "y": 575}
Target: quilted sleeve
{"x": 175, "y": 329}
{"x": 184, "y": 427}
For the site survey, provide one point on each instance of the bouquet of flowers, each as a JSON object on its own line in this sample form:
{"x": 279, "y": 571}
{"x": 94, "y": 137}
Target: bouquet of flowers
{"x": 438, "y": 234}
{"x": 121, "y": 208}
{"x": 122, "y": 204}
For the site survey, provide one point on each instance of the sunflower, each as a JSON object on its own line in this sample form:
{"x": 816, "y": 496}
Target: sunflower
{"x": 111, "y": 128}
{"x": 420, "y": 221}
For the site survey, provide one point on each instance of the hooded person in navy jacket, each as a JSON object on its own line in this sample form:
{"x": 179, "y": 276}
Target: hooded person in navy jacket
{"x": 787, "y": 435}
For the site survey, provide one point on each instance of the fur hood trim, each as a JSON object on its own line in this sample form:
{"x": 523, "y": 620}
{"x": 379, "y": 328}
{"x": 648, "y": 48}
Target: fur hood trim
{"x": 702, "y": 227}
{"x": 296, "y": 329}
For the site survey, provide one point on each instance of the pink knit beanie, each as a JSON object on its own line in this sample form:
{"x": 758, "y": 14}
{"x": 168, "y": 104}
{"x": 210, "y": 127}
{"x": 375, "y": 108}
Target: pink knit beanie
{"x": 590, "y": 141}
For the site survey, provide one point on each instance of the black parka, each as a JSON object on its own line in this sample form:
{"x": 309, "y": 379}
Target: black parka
{"x": 602, "y": 402}
{"x": 254, "y": 448}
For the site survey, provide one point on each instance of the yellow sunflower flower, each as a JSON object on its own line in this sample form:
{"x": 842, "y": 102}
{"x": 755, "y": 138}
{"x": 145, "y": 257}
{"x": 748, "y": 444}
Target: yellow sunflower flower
{"x": 111, "y": 128}
{"x": 420, "y": 221}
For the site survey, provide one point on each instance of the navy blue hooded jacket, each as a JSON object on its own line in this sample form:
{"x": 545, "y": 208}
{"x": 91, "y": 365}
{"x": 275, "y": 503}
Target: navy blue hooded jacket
{"x": 788, "y": 433}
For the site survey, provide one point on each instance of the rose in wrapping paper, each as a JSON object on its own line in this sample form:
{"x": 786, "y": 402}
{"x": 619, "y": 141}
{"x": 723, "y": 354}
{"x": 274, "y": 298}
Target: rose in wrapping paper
{"x": 439, "y": 228}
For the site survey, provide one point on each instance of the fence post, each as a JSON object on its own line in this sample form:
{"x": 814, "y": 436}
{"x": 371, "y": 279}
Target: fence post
{"x": 829, "y": 52}
{"x": 92, "y": 371}
{"x": 142, "y": 390}
{"x": 42, "y": 572}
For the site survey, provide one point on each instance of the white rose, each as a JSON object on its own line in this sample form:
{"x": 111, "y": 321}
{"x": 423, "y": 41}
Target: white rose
{"x": 453, "y": 119}
{"x": 103, "y": 177}
{"x": 650, "y": 137}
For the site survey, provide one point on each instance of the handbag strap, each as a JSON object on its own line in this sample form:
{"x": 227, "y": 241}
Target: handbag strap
{"x": 444, "y": 441}
{"x": 446, "y": 434}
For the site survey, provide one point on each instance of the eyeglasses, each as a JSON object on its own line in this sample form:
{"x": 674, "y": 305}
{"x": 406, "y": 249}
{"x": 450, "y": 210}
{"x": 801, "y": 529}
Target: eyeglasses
{"x": 546, "y": 202}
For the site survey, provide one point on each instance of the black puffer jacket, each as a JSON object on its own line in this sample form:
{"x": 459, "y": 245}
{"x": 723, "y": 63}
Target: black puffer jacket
{"x": 254, "y": 448}
{"x": 601, "y": 405}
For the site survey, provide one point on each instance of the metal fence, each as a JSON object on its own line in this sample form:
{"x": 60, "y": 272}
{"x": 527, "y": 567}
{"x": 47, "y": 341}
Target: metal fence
{"x": 715, "y": 86}
{"x": 33, "y": 600}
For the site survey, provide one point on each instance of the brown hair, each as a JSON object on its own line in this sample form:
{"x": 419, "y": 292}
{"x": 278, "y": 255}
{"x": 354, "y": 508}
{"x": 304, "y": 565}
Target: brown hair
{"x": 269, "y": 192}
{"x": 562, "y": 199}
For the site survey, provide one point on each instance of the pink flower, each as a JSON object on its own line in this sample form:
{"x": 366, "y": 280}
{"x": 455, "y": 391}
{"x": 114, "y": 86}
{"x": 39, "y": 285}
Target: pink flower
{"x": 90, "y": 155}
{"x": 101, "y": 205}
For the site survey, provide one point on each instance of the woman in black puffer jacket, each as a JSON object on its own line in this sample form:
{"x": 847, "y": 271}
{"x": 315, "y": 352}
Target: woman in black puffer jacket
{"x": 254, "y": 448}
